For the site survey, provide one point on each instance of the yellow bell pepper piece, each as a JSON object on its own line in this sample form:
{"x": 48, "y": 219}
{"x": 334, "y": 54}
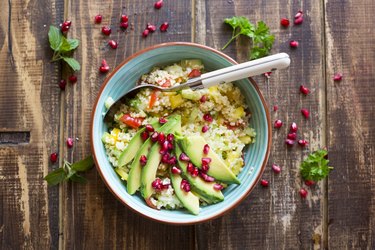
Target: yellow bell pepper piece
{"x": 176, "y": 101}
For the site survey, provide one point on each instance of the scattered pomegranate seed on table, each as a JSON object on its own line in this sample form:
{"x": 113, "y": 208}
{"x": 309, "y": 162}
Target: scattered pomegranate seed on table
{"x": 98, "y": 19}
{"x": 275, "y": 108}
{"x": 69, "y": 142}
{"x": 278, "y": 124}
{"x": 293, "y": 44}
{"x": 305, "y": 113}
{"x": 337, "y": 77}
{"x": 151, "y": 27}
{"x": 284, "y": 22}
{"x": 65, "y": 26}
{"x": 292, "y": 136}
{"x": 304, "y": 90}
{"x": 158, "y": 4}
{"x": 124, "y": 18}
{"x": 106, "y": 30}
{"x": 145, "y": 33}
{"x": 268, "y": 75}
{"x": 276, "y": 168}
{"x": 303, "y": 193}
{"x": 62, "y": 84}
{"x": 303, "y": 143}
{"x": 293, "y": 127}
{"x": 124, "y": 25}
{"x": 309, "y": 183}
{"x": 104, "y": 68}
{"x": 72, "y": 79}
{"x": 289, "y": 142}
{"x": 264, "y": 183}
{"x": 164, "y": 26}
{"x": 113, "y": 44}
{"x": 298, "y": 18}
{"x": 53, "y": 157}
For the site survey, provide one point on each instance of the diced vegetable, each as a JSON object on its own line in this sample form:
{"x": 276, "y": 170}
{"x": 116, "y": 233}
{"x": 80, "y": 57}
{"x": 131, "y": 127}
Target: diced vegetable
{"x": 130, "y": 121}
{"x": 192, "y": 63}
{"x": 176, "y": 100}
{"x": 191, "y": 94}
{"x": 239, "y": 112}
{"x": 153, "y": 98}
{"x": 194, "y": 73}
{"x": 122, "y": 173}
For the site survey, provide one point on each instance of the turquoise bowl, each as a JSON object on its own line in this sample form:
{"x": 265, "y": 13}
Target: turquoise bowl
{"x": 126, "y": 75}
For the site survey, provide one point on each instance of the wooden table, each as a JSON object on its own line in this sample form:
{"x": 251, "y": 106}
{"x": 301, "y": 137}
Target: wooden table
{"x": 36, "y": 118}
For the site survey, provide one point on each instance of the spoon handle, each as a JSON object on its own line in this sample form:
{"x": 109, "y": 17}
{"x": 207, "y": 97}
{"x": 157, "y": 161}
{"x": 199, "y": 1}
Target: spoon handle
{"x": 244, "y": 70}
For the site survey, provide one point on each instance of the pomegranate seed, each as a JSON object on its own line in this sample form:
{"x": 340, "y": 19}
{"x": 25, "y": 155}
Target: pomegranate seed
{"x": 106, "y": 30}
{"x": 218, "y": 186}
{"x": 172, "y": 160}
{"x": 165, "y": 158}
{"x": 65, "y": 28}
{"x": 165, "y": 145}
{"x": 206, "y": 161}
{"x": 154, "y": 136}
{"x": 299, "y": 14}
{"x": 195, "y": 172}
{"x": 304, "y": 90}
{"x": 289, "y": 142}
{"x": 143, "y": 160}
{"x": 292, "y": 136}
{"x": 175, "y": 170}
{"x": 206, "y": 149}
{"x": 278, "y": 124}
{"x": 113, "y": 44}
{"x": 293, "y": 127}
{"x": 165, "y": 186}
{"x": 104, "y": 68}
{"x": 184, "y": 157}
{"x": 205, "y": 168}
{"x": 164, "y": 27}
{"x": 309, "y": 183}
{"x": 67, "y": 23}
{"x": 145, "y": 33}
{"x": 149, "y": 128}
{"x": 98, "y": 18}
{"x": 185, "y": 185}
{"x": 53, "y": 157}
{"x": 298, "y": 20}
{"x": 264, "y": 183}
{"x": 72, "y": 79}
{"x": 144, "y": 135}
{"x": 207, "y": 118}
{"x": 162, "y": 120}
{"x": 275, "y": 108}
{"x": 190, "y": 167}
{"x": 284, "y": 22}
{"x": 62, "y": 84}
{"x": 276, "y": 168}
{"x": 205, "y": 128}
{"x": 69, "y": 142}
{"x": 161, "y": 138}
{"x": 293, "y": 44}
{"x": 151, "y": 27}
{"x": 158, "y": 4}
{"x": 207, "y": 178}
{"x": 303, "y": 192}
{"x": 124, "y": 18}
{"x": 170, "y": 138}
{"x": 305, "y": 113}
{"x": 303, "y": 143}
{"x": 157, "y": 184}
{"x": 337, "y": 77}
{"x": 203, "y": 98}
{"x": 124, "y": 25}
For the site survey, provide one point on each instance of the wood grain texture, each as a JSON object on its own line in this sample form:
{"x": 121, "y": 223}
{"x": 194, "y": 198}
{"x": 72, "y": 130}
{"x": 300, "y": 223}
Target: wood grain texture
{"x": 275, "y": 217}
{"x": 29, "y": 105}
{"x": 92, "y": 217}
{"x": 351, "y": 126}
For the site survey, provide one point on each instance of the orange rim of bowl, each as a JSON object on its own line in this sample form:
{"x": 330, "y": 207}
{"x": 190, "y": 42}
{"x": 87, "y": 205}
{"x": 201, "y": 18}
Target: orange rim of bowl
{"x": 122, "y": 200}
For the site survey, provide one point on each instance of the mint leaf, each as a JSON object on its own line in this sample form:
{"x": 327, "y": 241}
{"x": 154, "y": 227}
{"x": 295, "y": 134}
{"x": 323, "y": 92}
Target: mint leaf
{"x": 78, "y": 178}
{"x": 315, "y": 166}
{"x": 73, "y": 63}
{"x": 83, "y": 165}
{"x": 54, "y": 37}
{"x": 68, "y": 45}
{"x": 55, "y": 177}
{"x": 73, "y": 43}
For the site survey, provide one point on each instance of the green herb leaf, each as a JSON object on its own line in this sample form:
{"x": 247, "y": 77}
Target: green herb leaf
{"x": 73, "y": 63}
{"x": 55, "y": 177}
{"x": 83, "y": 165}
{"x": 55, "y": 38}
{"x": 315, "y": 166}
{"x": 78, "y": 178}
{"x": 68, "y": 45}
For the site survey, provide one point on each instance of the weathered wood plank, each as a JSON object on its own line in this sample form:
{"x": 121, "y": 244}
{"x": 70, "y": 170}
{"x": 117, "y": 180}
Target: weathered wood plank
{"x": 275, "y": 217}
{"x": 92, "y": 217}
{"x": 351, "y": 125}
{"x": 29, "y": 108}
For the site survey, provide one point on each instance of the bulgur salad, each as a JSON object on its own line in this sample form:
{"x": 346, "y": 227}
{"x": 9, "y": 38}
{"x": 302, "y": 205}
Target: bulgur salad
{"x": 179, "y": 149}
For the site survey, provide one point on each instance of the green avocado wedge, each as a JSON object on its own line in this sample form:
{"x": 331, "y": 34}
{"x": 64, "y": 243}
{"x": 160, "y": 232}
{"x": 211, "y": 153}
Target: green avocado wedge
{"x": 188, "y": 199}
{"x": 148, "y": 173}
{"x": 205, "y": 190}
{"x": 193, "y": 147}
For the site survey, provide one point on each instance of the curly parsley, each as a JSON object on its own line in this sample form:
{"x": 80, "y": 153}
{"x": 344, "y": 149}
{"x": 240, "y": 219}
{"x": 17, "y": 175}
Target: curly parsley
{"x": 315, "y": 166}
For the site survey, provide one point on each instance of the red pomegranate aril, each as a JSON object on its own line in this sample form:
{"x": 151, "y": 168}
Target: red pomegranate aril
{"x": 113, "y": 44}
{"x": 309, "y": 183}
{"x": 72, "y": 79}
{"x": 205, "y": 128}
{"x": 62, "y": 84}
{"x": 145, "y": 33}
{"x": 278, "y": 124}
{"x": 155, "y": 136}
{"x": 65, "y": 28}
{"x": 170, "y": 145}
{"x": 165, "y": 145}
{"x": 267, "y": 75}
{"x": 124, "y": 18}
{"x": 195, "y": 172}
{"x": 104, "y": 68}
{"x": 337, "y": 77}
{"x": 157, "y": 184}
{"x": 305, "y": 113}
{"x": 175, "y": 170}
{"x": 206, "y": 149}
{"x": 190, "y": 167}
{"x": 164, "y": 27}
{"x": 218, "y": 186}
{"x": 293, "y": 44}
{"x": 53, "y": 157}
{"x": 289, "y": 142}
{"x": 158, "y": 4}
{"x": 98, "y": 19}
{"x": 69, "y": 142}
{"x": 284, "y": 22}
{"x": 303, "y": 193}
{"x": 292, "y": 136}
{"x": 207, "y": 178}
{"x": 298, "y": 20}
{"x": 275, "y": 108}
{"x": 304, "y": 90}
{"x": 264, "y": 183}
{"x": 293, "y": 127}
{"x": 151, "y": 27}
{"x": 161, "y": 138}
{"x": 207, "y": 118}
{"x": 165, "y": 158}
{"x": 149, "y": 128}
{"x": 106, "y": 30}
{"x": 184, "y": 157}
{"x": 124, "y": 25}
{"x": 172, "y": 160}
{"x": 144, "y": 135}
{"x": 276, "y": 168}
{"x": 170, "y": 138}
{"x": 206, "y": 161}
{"x": 303, "y": 143}
{"x": 205, "y": 168}
{"x": 143, "y": 160}
{"x": 203, "y": 99}
{"x": 185, "y": 185}
{"x": 299, "y": 14}
{"x": 162, "y": 120}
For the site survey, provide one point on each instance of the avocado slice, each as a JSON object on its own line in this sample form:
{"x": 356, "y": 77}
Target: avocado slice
{"x": 188, "y": 199}
{"x": 148, "y": 172}
{"x": 205, "y": 190}
{"x": 193, "y": 147}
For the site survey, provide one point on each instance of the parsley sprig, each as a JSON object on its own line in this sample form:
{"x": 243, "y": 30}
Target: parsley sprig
{"x": 261, "y": 38}
{"x": 69, "y": 171}
{"x": 63, "y": 47}
{"x": 315, "y": 166}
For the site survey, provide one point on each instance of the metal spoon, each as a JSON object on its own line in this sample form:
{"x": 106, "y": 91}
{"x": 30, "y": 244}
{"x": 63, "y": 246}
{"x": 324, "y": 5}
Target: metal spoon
{"x": 228, "y": 74}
